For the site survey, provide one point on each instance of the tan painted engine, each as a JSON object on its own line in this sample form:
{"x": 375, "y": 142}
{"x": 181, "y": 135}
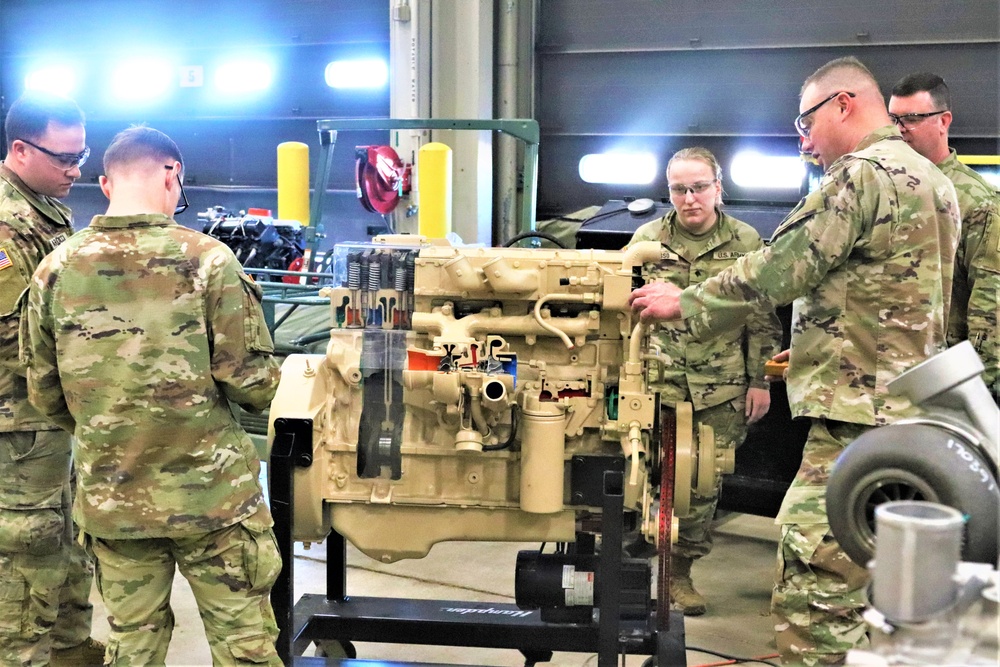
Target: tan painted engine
{"x": 464, "y": 390}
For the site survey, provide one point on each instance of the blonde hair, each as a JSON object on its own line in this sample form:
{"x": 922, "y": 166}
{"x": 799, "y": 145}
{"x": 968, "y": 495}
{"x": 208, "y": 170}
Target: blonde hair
{"x": 697, "y": 153}
{"x": 704, "y": 155}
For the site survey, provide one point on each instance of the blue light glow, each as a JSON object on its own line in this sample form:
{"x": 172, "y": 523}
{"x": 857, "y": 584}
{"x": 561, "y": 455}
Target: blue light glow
{"x": 362, "y": 73}
{"x": 618, "y": 168}
{"x": 142, "y": 81}
{"x": 58, "y": 79}
{"x": 751, "y": 169}
{"x": 244, "y": 76}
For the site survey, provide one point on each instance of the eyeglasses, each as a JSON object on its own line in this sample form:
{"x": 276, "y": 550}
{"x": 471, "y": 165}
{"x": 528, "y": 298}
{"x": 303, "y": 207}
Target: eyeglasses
{"x": 65, "y": 161}
{"x": 908, "y": 120}
{"x": 184, "y": 206}
{"x": 805, "y": 129}
{"x": 694, "y": 188}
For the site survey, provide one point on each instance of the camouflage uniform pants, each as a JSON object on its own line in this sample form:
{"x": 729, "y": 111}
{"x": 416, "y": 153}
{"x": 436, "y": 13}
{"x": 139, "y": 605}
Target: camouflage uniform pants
{"x": 45, "y": 576}
{"x": 819, "y": 592}
{"x": 231, "y": 572}
{"x": 694, "y": 535}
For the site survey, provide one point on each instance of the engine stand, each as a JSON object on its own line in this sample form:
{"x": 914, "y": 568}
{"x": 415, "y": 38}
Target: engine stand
{"x": 335, "y": 616}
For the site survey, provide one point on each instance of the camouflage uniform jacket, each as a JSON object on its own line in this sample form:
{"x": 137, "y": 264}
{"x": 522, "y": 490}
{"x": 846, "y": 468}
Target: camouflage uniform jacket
{"x": 976, "y": 294}
{"x": 31, "y": 225}
{"x": 138, "y": 333}
{"x": 719, "y": 369}
{"x": 867, "y": 259}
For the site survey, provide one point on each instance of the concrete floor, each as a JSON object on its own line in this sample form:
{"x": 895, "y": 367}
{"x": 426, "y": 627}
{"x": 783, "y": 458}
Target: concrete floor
{"x": 735, "y": 578}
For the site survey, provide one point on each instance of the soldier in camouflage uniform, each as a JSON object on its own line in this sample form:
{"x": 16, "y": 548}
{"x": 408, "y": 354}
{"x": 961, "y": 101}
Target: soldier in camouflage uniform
{"x": 45, "y": 577}
{"x": 722, "y": 378}
{"x": 867, "y": 260}
{"x": 921, "y": 107}
{"x": 138, "y": 333}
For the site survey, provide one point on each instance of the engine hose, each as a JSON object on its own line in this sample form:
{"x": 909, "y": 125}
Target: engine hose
{"x": 533, "y": 235}
{"x": 309, "y": 339}
{"x": 510, "y": 438}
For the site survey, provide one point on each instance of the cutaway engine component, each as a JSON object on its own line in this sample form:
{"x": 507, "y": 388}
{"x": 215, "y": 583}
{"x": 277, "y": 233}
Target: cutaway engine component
{"x": 380, "y": 432}
{"x": 479, "y": 394}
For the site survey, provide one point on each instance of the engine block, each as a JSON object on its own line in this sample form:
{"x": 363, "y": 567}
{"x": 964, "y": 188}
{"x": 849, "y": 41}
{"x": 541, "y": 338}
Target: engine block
{"x": 463, "y": 386}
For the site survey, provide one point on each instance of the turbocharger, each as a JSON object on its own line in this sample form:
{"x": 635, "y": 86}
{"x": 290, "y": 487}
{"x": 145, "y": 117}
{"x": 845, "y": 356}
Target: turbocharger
{"x": 949, "y": 455}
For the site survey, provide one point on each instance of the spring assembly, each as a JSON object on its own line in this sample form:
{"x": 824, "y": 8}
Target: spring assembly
{"x": 374, "y": 275}
{"x": 353, "y": 271}
{"x": 400, "y": 280}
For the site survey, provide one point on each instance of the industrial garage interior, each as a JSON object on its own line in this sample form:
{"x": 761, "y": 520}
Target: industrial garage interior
{"x": 636, "y": 79}
{"x": 736, "y": 578}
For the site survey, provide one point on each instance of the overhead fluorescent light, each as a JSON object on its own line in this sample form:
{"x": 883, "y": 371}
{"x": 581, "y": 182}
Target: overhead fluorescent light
{"x": 753, "y": 170}
{"x": 244, "y": 76}
{"x": 360, "y": 73}
{"x": 58, "y": 79}
{"x": 142, "y": 81}
{"x": 618, "y": 168}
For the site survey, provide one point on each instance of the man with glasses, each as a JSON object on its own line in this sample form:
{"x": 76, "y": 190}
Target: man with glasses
{"x": 139, "y": 333}
{"x": 866, "y": 260}
{"x": 45, "y": 576}
{"x": 920, "y": 107}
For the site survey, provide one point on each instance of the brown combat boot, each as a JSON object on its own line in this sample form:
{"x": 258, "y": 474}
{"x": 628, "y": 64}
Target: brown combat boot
{"x": 88, "y": 653}
{"x": 682, "y": 592}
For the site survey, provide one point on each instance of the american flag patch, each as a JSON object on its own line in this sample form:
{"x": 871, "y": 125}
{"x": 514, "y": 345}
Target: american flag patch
{"x": 5, "y": 262}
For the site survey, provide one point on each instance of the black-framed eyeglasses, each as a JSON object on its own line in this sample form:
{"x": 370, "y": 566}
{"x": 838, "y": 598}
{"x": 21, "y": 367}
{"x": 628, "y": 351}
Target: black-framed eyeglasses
{"x": 805, "y": 129}
{"x": 694, "y": 188}
{"x": 907, "y": 120}
{"x": 184, "y": 198}
{"x": 65, "y": 161}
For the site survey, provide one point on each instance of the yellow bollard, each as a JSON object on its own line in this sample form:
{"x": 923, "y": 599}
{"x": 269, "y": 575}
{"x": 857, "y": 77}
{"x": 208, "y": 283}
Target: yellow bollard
{"x": 293, "y": 181}
{"x": 434, "y": 189}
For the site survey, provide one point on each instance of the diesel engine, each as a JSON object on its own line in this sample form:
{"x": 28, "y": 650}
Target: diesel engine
{"x": 258, "y": 240}
{"x": 473, "y": 393}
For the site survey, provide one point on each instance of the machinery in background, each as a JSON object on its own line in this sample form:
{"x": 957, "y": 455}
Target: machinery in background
{"x": 258, "y": 240}
{"x": 929, "y": 486}
{"x": 487, "y": 394}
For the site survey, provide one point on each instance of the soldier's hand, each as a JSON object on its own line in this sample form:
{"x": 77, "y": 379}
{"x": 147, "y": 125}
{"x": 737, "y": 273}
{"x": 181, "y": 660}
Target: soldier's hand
{"x": 657, "y": 302}
{"x": 777, "y": 368}
{"x": 758, "y": 403}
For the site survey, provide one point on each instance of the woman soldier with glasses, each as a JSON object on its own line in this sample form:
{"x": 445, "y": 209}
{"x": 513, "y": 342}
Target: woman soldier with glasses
{"x": 724, "y": 377}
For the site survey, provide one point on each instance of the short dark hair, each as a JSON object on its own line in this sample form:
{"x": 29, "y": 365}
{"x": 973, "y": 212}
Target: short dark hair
{"x": 140, "y": 142}
{"x": 924, "y": 82}
{"x": 29, "y": 116}
{"x": 846, "y": 64}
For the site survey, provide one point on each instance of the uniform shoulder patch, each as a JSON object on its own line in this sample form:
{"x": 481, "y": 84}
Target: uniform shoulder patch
{"x": 5, "y": 261}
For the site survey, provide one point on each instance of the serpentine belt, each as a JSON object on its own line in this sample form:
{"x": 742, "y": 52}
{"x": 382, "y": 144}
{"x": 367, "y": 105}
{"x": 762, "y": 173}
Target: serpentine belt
{"x": 668, "y": 449}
